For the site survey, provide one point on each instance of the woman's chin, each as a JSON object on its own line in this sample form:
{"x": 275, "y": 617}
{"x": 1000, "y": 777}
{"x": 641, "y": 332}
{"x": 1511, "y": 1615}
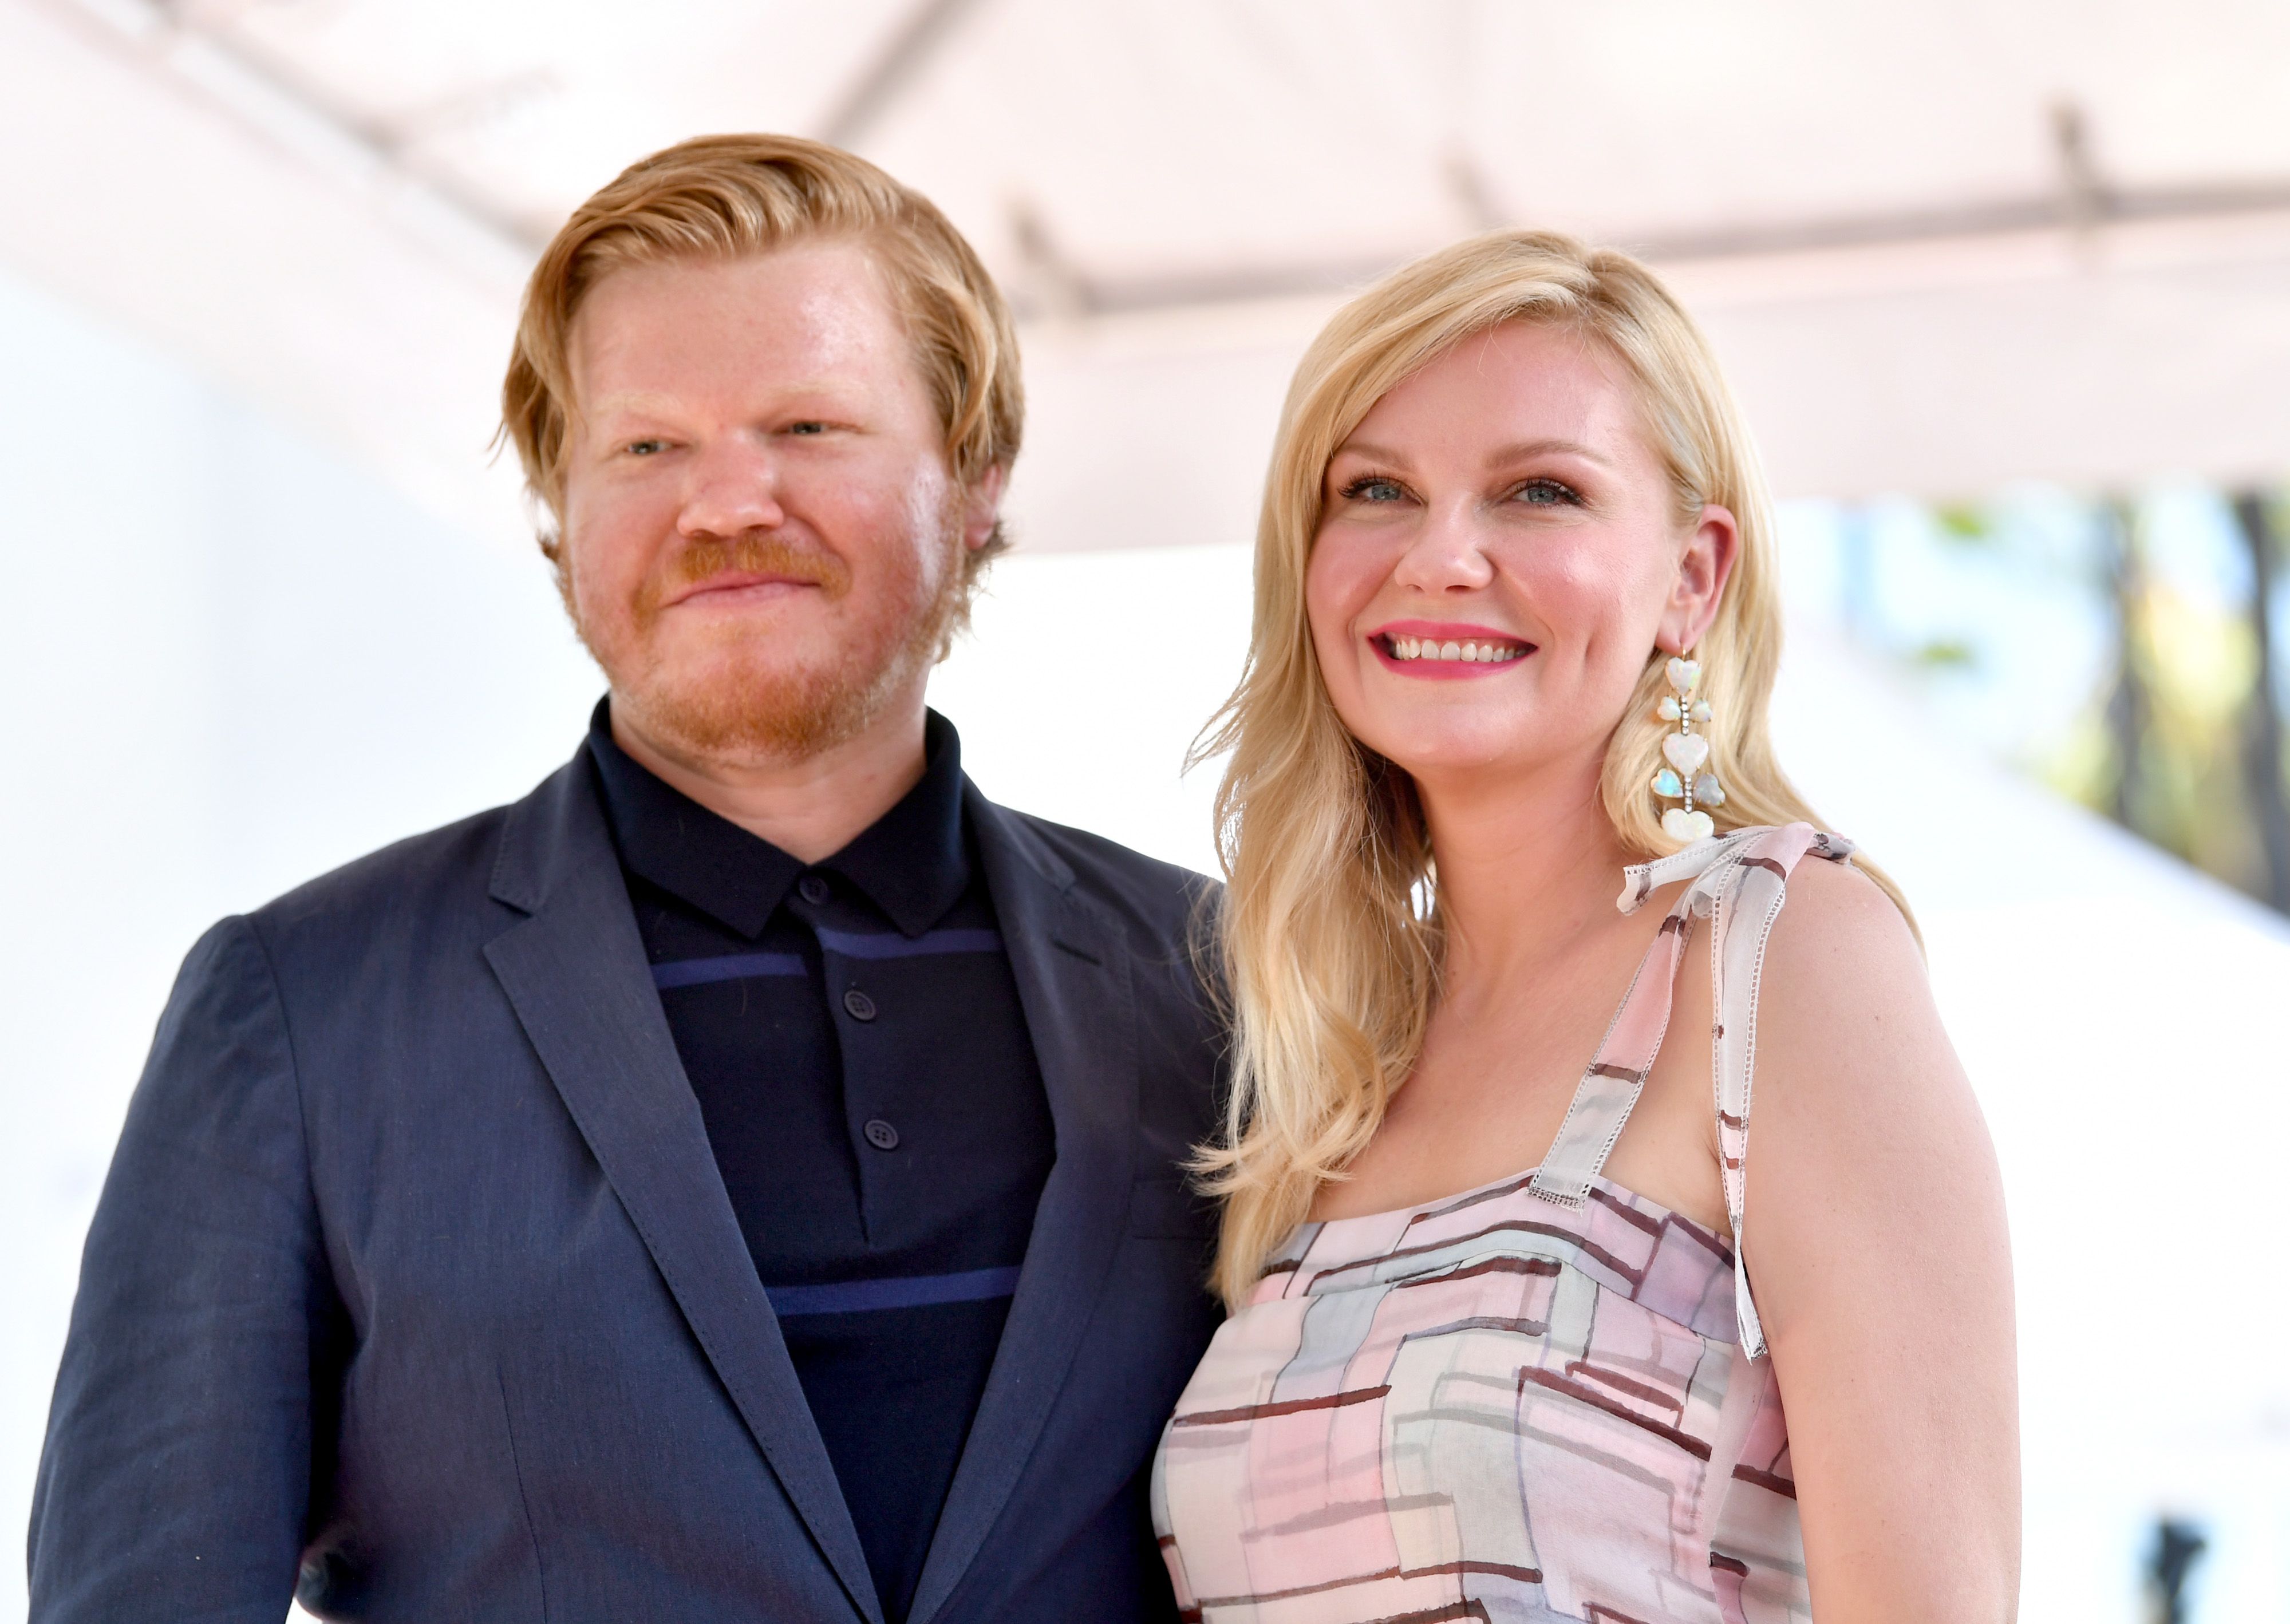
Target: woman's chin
{"x": 1459, "y": 757}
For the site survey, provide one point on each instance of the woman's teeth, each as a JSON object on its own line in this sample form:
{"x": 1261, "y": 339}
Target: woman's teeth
{"x": 1477, "y": 653}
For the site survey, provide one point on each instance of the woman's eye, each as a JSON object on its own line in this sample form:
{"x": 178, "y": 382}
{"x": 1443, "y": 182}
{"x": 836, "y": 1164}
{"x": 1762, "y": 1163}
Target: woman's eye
{"x": 807, "y": 428}
{"x": 646, "y": 448}
{"x": 1375, "y": 488}
{"x": 1546, "y": 493}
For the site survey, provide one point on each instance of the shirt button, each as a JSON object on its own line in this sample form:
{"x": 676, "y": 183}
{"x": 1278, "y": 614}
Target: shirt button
{"x": 881, "y": 1134}
{"x": 861, "y": 1007}
{"x": 811, "y": 889}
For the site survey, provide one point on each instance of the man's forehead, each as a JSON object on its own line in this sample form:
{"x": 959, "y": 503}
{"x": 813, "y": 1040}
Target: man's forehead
{"x": 800, "y": 319}
{"x": 810, "y": 271}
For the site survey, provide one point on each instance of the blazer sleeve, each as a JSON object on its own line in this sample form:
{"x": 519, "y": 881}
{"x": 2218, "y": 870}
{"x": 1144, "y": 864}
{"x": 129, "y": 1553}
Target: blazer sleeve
{"x": 175, "y": 1479}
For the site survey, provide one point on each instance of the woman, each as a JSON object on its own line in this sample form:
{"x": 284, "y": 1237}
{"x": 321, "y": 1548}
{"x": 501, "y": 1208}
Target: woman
{"x": 1502, "y": 1345}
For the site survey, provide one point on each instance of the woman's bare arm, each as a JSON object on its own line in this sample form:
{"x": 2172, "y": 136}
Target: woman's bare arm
{"x": 1876, "y": 1244}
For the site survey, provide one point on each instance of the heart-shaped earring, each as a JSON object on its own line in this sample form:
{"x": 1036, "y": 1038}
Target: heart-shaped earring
{"x": 1686, "y": 750}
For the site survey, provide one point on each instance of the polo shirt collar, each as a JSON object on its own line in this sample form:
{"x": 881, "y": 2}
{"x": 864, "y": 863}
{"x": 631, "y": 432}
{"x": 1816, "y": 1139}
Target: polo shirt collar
{"x": 912, "y": 862}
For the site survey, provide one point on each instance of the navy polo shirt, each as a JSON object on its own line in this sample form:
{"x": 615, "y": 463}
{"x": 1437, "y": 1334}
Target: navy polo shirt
{"x": 853, "y": 1035}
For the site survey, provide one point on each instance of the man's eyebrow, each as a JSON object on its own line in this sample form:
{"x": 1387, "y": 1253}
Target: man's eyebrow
{"x": 812, "y": 392}
{"x": 629, "y": 400}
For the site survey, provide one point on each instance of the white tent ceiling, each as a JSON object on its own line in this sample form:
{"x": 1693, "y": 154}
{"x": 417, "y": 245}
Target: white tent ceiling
{"x": 1942, "y": 247}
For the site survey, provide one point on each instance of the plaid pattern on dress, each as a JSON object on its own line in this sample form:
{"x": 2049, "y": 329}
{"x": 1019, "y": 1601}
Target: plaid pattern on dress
{"x": 1544, "y": 1399}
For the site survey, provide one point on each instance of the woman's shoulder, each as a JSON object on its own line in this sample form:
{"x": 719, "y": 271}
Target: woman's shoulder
{"x": 1835, "y": 911}
{"x": 1835, "y": 918}
{"x": 1843, "y": 973}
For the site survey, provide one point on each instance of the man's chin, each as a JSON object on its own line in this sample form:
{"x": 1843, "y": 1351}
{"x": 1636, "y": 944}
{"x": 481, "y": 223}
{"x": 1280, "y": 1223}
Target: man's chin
{"x": 735, "y": 715}
{"x": 736, "y": 699}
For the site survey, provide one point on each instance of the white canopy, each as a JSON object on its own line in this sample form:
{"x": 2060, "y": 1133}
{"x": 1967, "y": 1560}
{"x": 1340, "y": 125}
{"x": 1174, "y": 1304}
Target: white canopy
{"x": 1940, "y": 247}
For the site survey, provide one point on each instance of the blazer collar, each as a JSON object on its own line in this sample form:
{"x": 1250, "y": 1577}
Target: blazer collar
{"x": 1072, "y": 967}
{"x": 574, "y": 970}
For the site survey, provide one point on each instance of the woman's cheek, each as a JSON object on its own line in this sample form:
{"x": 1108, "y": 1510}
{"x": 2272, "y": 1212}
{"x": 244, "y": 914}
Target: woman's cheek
{"x": 1332, "y": 604}
{"x": 1340, "y": 580}
{"x": 1326, "y": 606}
{"x": 1577, "y": 588}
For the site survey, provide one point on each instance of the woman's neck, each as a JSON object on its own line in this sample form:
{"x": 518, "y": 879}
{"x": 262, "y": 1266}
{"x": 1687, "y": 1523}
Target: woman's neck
{"x": 1524, "y": 866}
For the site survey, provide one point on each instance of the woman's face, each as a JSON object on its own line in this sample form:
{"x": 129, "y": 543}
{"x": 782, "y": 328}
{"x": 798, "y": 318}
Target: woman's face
{"x": 1498, "y": 554}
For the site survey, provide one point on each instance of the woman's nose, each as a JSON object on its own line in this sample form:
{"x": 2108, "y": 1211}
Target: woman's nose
{"x": 1447, "y": 554}
{"x": 732, "y": 488}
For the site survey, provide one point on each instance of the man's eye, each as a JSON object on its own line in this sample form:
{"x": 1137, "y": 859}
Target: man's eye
{"x": 807, "y": 428}
{"x": 1546, "y": 493}
{"x": 1375, "y": 488}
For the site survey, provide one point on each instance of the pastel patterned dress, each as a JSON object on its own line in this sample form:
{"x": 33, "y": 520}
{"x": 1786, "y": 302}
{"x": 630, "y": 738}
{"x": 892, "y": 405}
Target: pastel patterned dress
{"x": 1544, "y": 1399}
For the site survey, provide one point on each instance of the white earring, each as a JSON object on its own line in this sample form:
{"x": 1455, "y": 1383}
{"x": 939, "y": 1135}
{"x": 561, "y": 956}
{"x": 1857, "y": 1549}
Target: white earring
{"x": 1685, "y": 751}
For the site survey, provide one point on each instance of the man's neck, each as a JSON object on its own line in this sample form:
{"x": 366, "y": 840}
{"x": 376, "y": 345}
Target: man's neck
{"x": 810, "y": 809}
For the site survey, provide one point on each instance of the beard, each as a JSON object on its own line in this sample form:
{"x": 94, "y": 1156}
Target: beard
{"x": 733, "y": 698}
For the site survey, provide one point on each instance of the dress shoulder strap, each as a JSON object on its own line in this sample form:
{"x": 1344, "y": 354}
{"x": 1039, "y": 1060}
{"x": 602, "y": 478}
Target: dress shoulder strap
{"x": 1740, "y": 882}
{"x": 1741, "y": 921}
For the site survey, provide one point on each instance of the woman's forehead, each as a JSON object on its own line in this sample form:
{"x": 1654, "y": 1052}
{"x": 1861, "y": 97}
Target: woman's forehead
{"x": 1500, "y": 392}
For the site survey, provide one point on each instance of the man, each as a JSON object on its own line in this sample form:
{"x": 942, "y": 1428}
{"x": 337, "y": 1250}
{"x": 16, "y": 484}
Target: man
{"x": 743, "y": 1179}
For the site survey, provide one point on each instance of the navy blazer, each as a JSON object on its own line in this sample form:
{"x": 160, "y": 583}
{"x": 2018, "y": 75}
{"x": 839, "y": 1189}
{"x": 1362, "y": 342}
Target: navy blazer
{"x": 414, "y": 1285}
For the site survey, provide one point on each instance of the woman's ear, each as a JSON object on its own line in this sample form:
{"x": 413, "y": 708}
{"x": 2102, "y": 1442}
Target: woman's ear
{"x": 1704, "y": 565}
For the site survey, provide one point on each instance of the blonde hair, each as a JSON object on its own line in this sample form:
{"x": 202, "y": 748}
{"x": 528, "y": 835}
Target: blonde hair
{"x": 724, "y": 196}
{"x": 1330, "y": 933}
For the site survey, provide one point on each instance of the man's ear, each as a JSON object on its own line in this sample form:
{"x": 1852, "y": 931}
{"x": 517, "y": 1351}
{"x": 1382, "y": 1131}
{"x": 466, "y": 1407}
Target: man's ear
{"x": 1703, "y": 568}
{"x": 981, "y": 505}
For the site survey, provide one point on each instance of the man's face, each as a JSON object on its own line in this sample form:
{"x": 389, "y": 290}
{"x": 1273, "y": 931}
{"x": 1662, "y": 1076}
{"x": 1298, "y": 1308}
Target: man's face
{"x": 763, "y": 544}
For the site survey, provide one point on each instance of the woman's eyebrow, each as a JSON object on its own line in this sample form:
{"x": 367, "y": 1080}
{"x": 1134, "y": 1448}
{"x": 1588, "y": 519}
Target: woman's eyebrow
{"x": 1524, "y": 449}
{"x": 1518, "y": 451}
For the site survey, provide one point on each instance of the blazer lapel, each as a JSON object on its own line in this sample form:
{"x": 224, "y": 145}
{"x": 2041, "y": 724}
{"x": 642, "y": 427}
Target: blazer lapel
{"x": 1073, "y": 982}
{"x": 575, "y": 971}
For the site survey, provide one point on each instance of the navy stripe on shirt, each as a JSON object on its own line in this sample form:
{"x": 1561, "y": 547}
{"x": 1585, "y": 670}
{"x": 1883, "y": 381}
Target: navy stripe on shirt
{"x": 849, "y": 944}
{"x": 730, "y": 967}
{"x": 907, "y": 1291}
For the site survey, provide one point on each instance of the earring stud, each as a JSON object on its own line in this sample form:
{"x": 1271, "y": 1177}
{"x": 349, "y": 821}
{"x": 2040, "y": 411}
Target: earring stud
{"x": 1687, "y": 751}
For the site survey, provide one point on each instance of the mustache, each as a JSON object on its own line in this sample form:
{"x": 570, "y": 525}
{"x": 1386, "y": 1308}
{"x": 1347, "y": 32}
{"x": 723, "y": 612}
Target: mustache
{"x": 753, "y": 552}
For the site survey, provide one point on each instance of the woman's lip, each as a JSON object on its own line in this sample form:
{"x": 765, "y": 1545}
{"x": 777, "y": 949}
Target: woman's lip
{"x": 1446, "y": 670}
{"x": 1448, "y": 631}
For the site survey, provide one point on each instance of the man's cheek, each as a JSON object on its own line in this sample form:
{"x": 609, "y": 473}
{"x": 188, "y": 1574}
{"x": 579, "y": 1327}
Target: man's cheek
{"x": 603, "y": 606}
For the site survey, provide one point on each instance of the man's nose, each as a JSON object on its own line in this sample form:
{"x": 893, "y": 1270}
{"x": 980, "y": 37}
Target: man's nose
{"x": 733, "y": 487}
{"x": 1448, "y": 553}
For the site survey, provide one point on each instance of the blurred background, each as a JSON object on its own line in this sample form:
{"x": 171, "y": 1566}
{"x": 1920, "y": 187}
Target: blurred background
{"x": 2004, "y": 285}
